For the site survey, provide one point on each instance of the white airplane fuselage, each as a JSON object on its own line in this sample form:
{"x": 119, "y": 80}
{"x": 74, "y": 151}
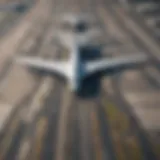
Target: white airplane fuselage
{"x": 74, "y": 69}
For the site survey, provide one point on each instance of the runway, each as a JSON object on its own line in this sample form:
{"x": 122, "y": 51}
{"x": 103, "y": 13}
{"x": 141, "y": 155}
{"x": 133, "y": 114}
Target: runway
{"x": 42, "y": 119}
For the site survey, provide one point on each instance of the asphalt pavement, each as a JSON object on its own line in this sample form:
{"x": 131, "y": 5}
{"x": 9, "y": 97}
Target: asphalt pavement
{"x": 44, "y": 120}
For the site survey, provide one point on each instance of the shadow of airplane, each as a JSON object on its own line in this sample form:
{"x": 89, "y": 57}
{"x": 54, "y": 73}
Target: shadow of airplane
{"x": 90, "y": 86}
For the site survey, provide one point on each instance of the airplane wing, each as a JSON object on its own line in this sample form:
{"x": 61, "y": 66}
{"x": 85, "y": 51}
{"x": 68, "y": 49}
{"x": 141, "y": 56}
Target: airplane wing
{"x": 45, "y": 65}
{"x": 115, "y": 64}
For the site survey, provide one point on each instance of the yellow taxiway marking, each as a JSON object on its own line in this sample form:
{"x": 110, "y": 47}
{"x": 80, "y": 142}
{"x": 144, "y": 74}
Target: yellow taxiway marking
{"x": 63, "y": 121}
{"x": 39, "y": 137}
{"x": 35, "y": 106}
{"x": 139, "y": 32}
{"x": 39, "y": 99}
{"x": 133, "y": 148}
{"x": 6, "y": 142}
{"x": 96, "y": 136}
{"x": 157, "y": 149}
{"x": 119, "y": 124}
{"x": 118, "y": 121}
{"x": 132, "y": 142}
{"x": 111, "y": 26}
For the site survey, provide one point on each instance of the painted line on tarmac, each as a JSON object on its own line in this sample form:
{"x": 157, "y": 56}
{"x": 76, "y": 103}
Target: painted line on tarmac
{"x": 140, "y": 33}
{"x": 63, "y": 121}
{"x": 95, "y": 126}
{"x": 119, "y": 124}
{"x": 41, "y": 128}
{"x": 35, "y": 106}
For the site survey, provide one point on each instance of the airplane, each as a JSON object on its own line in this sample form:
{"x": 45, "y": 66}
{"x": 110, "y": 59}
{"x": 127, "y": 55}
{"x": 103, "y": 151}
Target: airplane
{"x": 75, "y": 70}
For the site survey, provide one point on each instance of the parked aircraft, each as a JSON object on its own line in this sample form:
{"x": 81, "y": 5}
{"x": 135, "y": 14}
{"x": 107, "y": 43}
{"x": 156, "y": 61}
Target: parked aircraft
{"x": 76, "y": 70}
